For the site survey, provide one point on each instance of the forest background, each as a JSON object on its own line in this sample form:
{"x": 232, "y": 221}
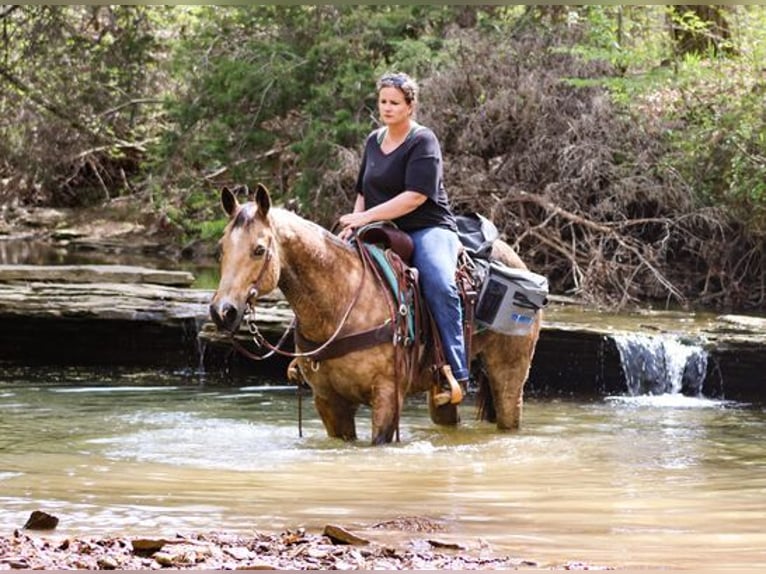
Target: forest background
{"x": 620, "y": 149}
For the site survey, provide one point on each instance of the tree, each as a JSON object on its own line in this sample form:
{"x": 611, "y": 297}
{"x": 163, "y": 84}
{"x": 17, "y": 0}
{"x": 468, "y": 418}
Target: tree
{"x": 700, "y": 29}
{"x": 76, "y": 81}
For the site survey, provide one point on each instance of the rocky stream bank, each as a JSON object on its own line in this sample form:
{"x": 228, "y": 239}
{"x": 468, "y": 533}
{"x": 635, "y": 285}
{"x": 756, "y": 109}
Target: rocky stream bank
{"x": 333, "y": 549}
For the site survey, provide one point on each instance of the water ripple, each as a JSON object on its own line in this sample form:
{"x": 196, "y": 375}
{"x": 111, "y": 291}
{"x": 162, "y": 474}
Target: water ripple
{"x": 672, "y": 401}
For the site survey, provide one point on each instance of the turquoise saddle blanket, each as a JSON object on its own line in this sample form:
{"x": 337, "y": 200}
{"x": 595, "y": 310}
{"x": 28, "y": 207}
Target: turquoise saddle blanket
{"x": 379, "y": 256}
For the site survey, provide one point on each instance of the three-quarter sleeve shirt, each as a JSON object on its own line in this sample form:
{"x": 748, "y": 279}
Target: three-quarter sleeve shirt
{"x": 416, "y": 165}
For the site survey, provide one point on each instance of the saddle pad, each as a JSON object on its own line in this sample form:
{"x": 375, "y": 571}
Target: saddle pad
{"x": 379, "y": 256}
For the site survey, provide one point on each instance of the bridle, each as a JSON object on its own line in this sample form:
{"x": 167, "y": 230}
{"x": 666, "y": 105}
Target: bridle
{"x": 253, "y": 292}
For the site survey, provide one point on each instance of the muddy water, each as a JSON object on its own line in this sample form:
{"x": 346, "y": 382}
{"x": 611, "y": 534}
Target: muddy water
{"x": 623, "y": 481}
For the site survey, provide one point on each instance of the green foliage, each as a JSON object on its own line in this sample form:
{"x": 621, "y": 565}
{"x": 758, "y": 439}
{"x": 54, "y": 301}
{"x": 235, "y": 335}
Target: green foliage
{"x": 722, "y": 153}
{"x": 720, "y": 149}
{"x": 210, "y": 230}
{"x": 171, "y": 102}
{"x": 632, "y": 40}
{"x": 79, "y": 105}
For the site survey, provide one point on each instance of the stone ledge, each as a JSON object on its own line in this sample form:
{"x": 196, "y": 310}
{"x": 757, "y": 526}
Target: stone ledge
{"x": 134, "y": 321}
{"x": 94, "y": 274}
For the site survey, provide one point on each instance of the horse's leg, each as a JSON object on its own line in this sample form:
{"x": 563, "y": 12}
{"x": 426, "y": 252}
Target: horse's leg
{"x": 386, "y": 410}
{"x": 507, "y": 360}
{"x": 337, "y": 415}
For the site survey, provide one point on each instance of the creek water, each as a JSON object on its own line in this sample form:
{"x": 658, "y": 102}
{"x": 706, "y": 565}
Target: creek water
{"x": 628, "y": 481}
{"x": 648, "y": 478}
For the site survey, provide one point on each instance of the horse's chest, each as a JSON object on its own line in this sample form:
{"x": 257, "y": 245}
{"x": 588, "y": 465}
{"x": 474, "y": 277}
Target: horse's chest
{"x": 353, "y": 377}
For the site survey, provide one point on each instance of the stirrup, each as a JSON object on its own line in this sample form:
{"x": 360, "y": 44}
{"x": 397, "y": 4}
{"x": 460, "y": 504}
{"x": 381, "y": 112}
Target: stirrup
{"x": 443, "y": 396}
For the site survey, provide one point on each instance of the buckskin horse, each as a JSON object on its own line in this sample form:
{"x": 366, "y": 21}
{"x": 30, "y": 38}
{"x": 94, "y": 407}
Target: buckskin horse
{"x": 331, "y": 293}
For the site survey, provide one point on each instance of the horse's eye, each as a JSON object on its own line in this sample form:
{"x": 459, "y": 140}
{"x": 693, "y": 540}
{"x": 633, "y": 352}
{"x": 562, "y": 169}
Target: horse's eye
{"x": 258, "y": 251}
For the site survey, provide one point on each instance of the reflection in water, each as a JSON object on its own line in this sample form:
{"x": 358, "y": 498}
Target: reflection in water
{"x": 33, "y": 252}
{"x": 30, "y": 252}
{"x": 628, "y": 481}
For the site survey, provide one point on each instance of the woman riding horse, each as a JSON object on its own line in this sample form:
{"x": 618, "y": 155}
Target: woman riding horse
{"x": 401, "y": 180}
{"x": 332, "y": 294}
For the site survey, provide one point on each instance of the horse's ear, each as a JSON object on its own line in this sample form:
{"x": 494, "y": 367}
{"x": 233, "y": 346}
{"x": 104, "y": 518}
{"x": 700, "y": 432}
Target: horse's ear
{"x": 229, "y": 201}
{"x": 262, "y": 199}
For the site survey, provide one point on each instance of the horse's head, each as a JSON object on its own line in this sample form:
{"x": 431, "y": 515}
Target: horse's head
{"x": 249, "y": 257}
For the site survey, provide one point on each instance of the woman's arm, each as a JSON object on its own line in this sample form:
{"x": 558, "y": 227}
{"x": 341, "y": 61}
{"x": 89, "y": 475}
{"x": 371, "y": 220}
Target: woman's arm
{"x": 395, "y": 207}
{"x": 359, "y": 203}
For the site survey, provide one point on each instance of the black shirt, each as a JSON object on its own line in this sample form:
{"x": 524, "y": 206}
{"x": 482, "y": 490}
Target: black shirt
{"x": 416, "y": 165}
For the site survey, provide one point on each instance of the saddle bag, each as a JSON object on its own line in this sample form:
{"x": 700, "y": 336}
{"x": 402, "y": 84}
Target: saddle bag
{"x": 477, "y": 234}
{"x": 510, "y": 298}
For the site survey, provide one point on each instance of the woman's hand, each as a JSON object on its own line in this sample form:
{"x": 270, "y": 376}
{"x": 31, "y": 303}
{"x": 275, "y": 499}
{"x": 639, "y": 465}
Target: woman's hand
{"x": 402, "y": 204}
{"x": 352, "y": 221}
{"x": 356, "y": 219}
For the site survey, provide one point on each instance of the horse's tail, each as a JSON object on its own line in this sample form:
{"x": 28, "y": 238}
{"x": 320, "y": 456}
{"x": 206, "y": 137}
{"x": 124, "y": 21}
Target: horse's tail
{"x": 485, "y": 404}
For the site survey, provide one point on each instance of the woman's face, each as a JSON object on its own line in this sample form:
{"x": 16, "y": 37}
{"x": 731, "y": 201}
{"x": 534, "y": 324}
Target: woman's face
{"x": 392, "y": 106}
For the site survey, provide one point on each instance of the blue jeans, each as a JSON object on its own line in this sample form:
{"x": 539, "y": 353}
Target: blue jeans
{"x": 435, "y": 257}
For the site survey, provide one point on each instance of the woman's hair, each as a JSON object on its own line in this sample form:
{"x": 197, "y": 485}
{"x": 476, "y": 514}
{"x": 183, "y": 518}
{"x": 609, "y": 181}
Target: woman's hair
{"x": 402, "y": 82}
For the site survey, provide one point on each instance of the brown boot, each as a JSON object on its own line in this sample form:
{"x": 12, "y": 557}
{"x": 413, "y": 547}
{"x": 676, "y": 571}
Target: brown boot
{"x": 448, "y": 390}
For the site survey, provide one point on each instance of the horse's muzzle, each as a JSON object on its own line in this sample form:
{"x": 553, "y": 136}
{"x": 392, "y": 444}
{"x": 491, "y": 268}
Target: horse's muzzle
{"x": 225, "y": 316}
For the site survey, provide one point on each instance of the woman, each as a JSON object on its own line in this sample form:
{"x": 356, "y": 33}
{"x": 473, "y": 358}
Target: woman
{"x": 401, "y": 180}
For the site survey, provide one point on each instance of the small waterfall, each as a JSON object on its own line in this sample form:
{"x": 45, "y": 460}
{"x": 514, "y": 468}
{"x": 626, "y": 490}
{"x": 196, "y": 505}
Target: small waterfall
{"x": 661, "y": 364}
{"x": 200, "y": 343}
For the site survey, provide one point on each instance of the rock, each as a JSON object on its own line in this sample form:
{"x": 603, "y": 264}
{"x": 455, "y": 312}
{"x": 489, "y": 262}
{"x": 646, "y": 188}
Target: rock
{"x": 239, "y": 552}
{"x": 66, "y": 234}
{"x": 147, "y": 546}
{"x": 164, "y": 559}
{"x": 108, "y": 563}
{"x": 410, "y": 524}
{"x": 94, "y": 274}
{"x": 340, "y": 535}
{"x": 210, "y": 552}
{"x": 446, "y": 545}
{"x": 258, "y": 566}
{"x": 317, "y": 553}
{"x": 40, "y": 520}
{"x": 16, "y": 564}
{"x": 45, "y": 218}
